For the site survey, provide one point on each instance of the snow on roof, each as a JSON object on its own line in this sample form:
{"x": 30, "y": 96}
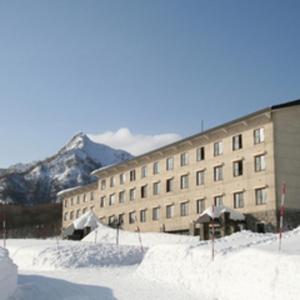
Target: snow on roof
{"x": 102, "y": 168}
{"x": 69, "y": 190}
{"x": 88, "y": 219}
{"x": 218, "y": 211}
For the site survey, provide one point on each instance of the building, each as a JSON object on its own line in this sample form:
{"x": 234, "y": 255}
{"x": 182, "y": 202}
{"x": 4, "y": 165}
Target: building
{"x": 240, "y": 164}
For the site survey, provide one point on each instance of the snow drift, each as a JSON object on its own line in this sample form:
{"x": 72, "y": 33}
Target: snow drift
{"x": 8, "y": 275}
{"x": 247, "y": 266}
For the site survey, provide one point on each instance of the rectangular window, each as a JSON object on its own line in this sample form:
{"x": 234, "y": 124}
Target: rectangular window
{"x": 144, "y": 191}
{"x": 237, "y": 168}
{"x": 112, "y": 199}
{"x": 200, "y": 177}
{"x": 143, "y": 216}
{"x": 77, "y": 213}
{"x": 184, "y": 159}
{"x": 261, "y": 196}
{"x": 200, "y": 203}
{"x": 259, "y": 163}
{"x": 144, "y": 171}
{"x": 122, "y": 178}
{"x": 156, "y": 169}
{"x": 170, "y": 211}
{"x": 238, "y": 200}
{"x": 156, "y": 188}
{"x": 91, "y": 196}
{"x": 218, "y": 148}
{"x": 132, "y": 175}
{"x": 218, "y": 200}
{"x": 122, "y": 197}
{"x": 72, "y": 201}
{"x": 66, "y": 203}
{"x": 84, "y": 197}
{"x": 112, "y": 181}
{"x": 121, "y": 219}
{"x": 111, "y": 220}
{"x": 155, "y": 213}
{"x": 259, "y": 135}
{"x": 66, "y": 216}
{"x": 218, "y": 173}
{"x": 84, "y": 210}
{"x": 237, "y": 142}
{"x": 132, "y": 217}
{"x": 103, "y": 184}
{"x": 78, "y": 200}
{"x": 200, "y": 154}
{"x": 132, "y": 194}
{"x": 170, "y": 163}
{"x": 102, "y": 201}
{"x": 170, "y": 185}
{"x": 184, "y": 209}
{"x": 71, "y": 215}
{"x": 184, "y": 181}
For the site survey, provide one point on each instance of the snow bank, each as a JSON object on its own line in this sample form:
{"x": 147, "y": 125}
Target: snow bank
{"x": 88, "y": 219}
{"x": 105, "y": 234}
{"x": 247, "y": 266}
{"x": 47, "y": 256}
{"x": 8, "y": 275}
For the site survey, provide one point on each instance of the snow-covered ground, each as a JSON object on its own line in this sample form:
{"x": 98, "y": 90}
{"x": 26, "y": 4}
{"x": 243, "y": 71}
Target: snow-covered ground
{"x": 247, "y": 266}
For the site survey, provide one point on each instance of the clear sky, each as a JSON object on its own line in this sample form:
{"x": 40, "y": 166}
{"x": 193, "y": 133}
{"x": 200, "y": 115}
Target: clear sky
{"x": 154, "y": 67}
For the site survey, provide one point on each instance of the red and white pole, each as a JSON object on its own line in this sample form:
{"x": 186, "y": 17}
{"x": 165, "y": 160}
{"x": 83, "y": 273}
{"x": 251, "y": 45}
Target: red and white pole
{"x": 283, "y": 194}
{"x": 213, "y": 233}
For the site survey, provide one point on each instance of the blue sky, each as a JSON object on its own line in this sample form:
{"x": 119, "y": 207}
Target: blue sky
{"x": 151, "y": 66}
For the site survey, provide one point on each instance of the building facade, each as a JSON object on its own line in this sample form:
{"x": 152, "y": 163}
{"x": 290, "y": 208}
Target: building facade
{"x": 240, "y": 164}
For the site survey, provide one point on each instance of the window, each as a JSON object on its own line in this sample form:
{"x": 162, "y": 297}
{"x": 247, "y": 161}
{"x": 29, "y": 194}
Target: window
{"x": 170, "y": 163}
{"x": 237, "y": 168}
{"x": 144, "y": 191}
{"x": 84, "y": 210}
{"x": 132, "y": 217}
{"x": 184, "y": 209}
{"x": 143, "y": 216}
{"x": 66, "y": 216}
{"x": 184, "y": 159}
{"x": 84, "y": 197}
{"x": 200, "y": 203}
{"x": 259, "y": 135}
{"x": 170, "y": 185}
{"x": 156, "y": 167}
{"x": 112, "y": 199}
{"x": 66, "y": 203}
{"x": 122, "y": 197}
{"x": 237, "y": 142}
{"x": 91, "y": 196}
{"x": 144, "y": 171}
{"x": 156, "y": 188}
{"x": 200, "y": 154}
{"x": 132, "y": 175}
{"x": 155, "y": 213}
{"x": 200, "y": 177}
{"x": 218, "y": 200}
{"x": 260, "y": 163}
{"x": 122, "y": 178}
{"x": 103, "y": 184}
{"x": 112, "y": 181}
{"x": 184, "y": 181}
{"x": 78, "y": 200}
{"x": 72, "y": 201}
{"x": 261, "y": 196}
{"x": 218, "y": 148}
{"x": 170, "y": 211}
{"x": 218, "y": 173}
{"x": 102, "y": 201}
{"x": 132, "y": 193}
{"x": 92, "y": 208}
{"x": 121, "y": 218}
{"x": 77, "y": 213}
{"x": 111, "y": 220}
{"x": 238, "y": 200}
{"x": 71, "y": 215}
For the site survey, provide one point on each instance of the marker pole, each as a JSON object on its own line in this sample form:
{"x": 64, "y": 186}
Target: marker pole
{"x": 213, "y": 233}
{"x": 283, "y": 194}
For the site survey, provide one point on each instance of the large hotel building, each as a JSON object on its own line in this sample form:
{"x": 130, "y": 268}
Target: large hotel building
{"x": 240, "y": 164}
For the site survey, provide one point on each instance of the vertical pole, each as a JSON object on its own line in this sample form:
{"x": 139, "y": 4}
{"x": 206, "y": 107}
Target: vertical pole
{"x": 95, "y": 231}
{"x": 139, "y": 235}
{"x": 117, "y": 237}
{"x": 283, "y": 193}
{"x": 213, "y": 233}
{"x": 4, "y": 233}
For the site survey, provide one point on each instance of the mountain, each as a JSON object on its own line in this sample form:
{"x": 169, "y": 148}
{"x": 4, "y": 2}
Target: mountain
{"x": 39, "y": 182}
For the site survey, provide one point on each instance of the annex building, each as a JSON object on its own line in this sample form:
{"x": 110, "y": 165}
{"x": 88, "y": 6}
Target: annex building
{"x": 240, "y": 164}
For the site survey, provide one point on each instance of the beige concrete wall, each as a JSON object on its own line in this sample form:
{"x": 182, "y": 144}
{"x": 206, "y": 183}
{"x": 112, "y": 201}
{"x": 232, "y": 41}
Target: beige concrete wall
{"x": 247, "y": 183}
{"x": 287, "y": 154}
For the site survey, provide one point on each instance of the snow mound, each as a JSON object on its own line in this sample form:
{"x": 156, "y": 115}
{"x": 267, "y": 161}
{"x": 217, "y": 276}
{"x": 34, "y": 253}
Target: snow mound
{"x": 88, "y": 219}
{"x": 107, "y": 235}
{"x": 247, "y": 266}
{"x": 76, "y": 255}
{"x": 8, "y": 275}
